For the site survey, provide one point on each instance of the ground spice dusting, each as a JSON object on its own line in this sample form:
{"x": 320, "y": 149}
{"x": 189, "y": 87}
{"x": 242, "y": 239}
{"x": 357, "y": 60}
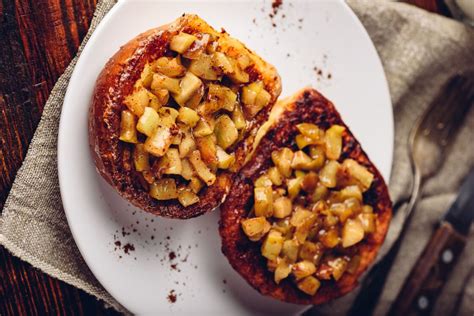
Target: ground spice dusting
{"x": 127, "y": 248}
{"x": 276, "y": 4}
{"x": 172, "y": 255}
{"x": 172, "y": 296}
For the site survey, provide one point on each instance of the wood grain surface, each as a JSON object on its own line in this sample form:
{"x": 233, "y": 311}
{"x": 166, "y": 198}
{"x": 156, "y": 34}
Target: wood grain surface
{"x": 38, "y": 39}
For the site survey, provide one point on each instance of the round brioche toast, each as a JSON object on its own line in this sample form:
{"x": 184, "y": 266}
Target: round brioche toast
{"x": 157, "y": 74}
{"x": 245, "y": 256}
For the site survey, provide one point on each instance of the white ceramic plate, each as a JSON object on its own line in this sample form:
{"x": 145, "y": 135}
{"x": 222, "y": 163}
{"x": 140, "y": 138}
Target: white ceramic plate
{"x": 318, "y": 43}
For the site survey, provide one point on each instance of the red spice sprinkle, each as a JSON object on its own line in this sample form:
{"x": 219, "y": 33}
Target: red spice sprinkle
{"x": 224, "y": 281}
{"x": 276, "y": 4}
{"x": 172, "y": 255}
{"x": 172, "y": 296}
{"x": 118, "y": 243}
{"x": 128, "y": 248}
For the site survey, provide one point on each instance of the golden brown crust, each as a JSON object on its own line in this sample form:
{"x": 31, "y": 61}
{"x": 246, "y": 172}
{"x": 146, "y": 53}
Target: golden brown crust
{"x": 244, "y": 255}
{"x": 112, "y": 157}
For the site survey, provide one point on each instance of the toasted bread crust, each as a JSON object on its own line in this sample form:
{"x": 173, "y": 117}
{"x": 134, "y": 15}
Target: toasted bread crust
{"x": 244, "y": 255}
{"x": 112, "y": 157}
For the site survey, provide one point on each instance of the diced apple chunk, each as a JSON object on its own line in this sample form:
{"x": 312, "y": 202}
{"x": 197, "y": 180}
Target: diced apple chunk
{"x": 334, "y": 141}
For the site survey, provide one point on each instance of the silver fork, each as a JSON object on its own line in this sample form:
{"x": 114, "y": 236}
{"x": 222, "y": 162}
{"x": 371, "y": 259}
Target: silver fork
{"x": 428, "y": 142}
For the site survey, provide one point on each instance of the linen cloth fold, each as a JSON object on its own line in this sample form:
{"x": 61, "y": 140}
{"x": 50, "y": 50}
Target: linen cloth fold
{"x": 419, "y": 52}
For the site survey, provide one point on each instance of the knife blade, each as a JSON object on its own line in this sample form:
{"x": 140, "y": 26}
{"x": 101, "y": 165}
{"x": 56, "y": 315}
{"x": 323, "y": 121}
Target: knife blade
{"x": 426, "y": 279}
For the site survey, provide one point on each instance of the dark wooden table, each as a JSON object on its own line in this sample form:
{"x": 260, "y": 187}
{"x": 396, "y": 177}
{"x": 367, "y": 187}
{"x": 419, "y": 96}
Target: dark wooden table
{"x": 38, "y": 39}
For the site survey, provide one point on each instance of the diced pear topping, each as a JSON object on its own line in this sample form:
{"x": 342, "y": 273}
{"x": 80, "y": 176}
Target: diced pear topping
{"x": 137, "y": 101}
{"x": 255, "y": 228}
{"x": 290, "y": 250}
{"x": 201, "y": 169}
{"x": 203, "y": 68}
{"x": 187, "y": 144}
{"x": 202, "y": 129}
{"x": 282, "y": 160}
{"x": 159, "y": 142}
{"x": 338, "y": 266}
{"x": 352, "y": 191}
{"x": 363, "y": 177}
{"x": 263, "y": 181}
{"x": 170, "y": 163}
{"x": 148, "y": 122}
{"x": 312, "y": 131}
{"x": 128, "y": 133}
{"x": 225, "y": 161}
{"x": 188, "y": 116}
{"x": 367, "y": 220}
{"x": 309, "y": 285}
{"x": 255, "y": 97}
{"x": 208, "y": 149}
{"x": 282, "y": 207}
{"x": 263, "y": 199}
{"x": 221, "y": 61}
{"x": 195, "y": 184}
{"x": 187, "y": 197}
{"x": 163, "y": 82}
{"x": 164, "y": 189}
{"x": 223, "y": 97}
{"x": 272, "y": 245}
{"x": 330, "y": 239}
{"x": 187, "y": 171}
{"x": 188, "y": 86}
{"x": 181, "y": 42}
{"x": 334, "y": 141}
{"x": 282, "y": 271}
{"x": 328, "y": 175}
{"x": 275, "y": 176}
{"x": 303, "y": 269}
{"x": 170, "y": 67}
{"x": 238, "y": 117}
{"x": 352, "y": 233}
{"x": 226, "y": 132}
{"x": 141, "y": 158}
{"x": 239, "y": 75}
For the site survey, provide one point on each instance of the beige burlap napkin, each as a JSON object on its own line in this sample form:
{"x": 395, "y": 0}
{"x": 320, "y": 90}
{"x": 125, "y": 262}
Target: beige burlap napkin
{"x": 419, "y": 52}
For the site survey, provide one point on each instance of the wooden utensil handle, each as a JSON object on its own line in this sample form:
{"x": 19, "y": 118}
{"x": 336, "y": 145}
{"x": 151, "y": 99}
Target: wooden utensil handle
{"x": 430, "y": 272}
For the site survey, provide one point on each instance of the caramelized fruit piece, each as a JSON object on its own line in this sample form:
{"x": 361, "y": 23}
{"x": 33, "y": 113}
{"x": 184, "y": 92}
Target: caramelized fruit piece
{"x": 164, "y": 189}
